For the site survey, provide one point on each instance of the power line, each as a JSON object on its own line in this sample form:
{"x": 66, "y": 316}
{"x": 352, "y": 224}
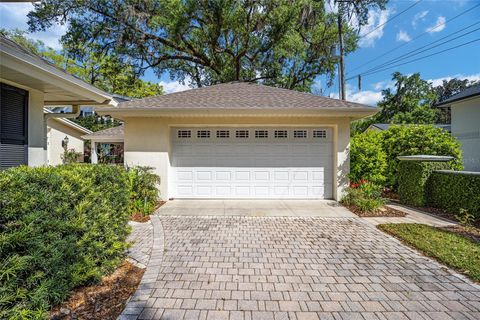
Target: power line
{"x": 424, "y": 57}
{"x": 395, "y": 16}
{"x": 415, "y": 38}
{"x": 418, "y": 50}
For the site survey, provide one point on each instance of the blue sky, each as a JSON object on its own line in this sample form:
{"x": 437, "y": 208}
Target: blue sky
{"x": 432, "y": 18}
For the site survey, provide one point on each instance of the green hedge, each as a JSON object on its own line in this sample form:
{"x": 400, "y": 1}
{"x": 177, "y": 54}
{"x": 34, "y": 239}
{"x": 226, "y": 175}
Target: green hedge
{"x": 412, "y": 177}
{"x": 455, "y": 191}
{"x": 60, "y": 227}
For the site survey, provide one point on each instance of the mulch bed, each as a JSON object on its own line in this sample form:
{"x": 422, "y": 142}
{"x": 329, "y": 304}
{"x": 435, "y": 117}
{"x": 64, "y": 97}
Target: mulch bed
{"x": 383, "y": 212}
{"x": 140, "y": 217}
{"x": 103, "y": 301}
{"x": 389, "y": 194}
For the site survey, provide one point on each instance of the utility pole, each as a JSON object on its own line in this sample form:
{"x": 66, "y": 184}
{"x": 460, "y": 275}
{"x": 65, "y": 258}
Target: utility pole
{"x": 341, "y": 68}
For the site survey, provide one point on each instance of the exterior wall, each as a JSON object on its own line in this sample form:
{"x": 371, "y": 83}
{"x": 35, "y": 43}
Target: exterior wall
{"x": 148, "y": 143}
{"x": 37, "y": 156}
{"x": 466, "y": 128}
{"x": 56, "y": 132}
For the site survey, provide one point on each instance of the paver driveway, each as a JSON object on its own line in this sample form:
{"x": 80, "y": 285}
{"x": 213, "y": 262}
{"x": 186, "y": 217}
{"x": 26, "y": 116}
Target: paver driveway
{"x": 292, "y": 268}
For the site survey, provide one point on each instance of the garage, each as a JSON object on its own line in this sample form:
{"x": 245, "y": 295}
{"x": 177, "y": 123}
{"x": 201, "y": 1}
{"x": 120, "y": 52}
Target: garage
{"x": 247, "y": 162}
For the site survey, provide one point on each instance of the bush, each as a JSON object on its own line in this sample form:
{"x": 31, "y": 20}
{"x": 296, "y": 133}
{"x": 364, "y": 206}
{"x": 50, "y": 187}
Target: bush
{"x": 457, "y": 192}
{"x": 367, "y": 158}
{"x": 410, "y": 140}
{"x": 60, "y": 227}
{"x": 143, "y": 190}
{"x": 366, "y": 197}
{"x": 412, "y": 177}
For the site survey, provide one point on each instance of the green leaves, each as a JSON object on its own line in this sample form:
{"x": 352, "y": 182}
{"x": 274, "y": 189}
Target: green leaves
{"x": 143, "y": 190}
{"x": 60, "y": 227}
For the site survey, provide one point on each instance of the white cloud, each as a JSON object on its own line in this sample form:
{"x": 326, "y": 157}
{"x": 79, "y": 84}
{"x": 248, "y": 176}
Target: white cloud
{"x": 367, "y": 97}
{"x": 14, "y": 16}
{"x": 438, "y": 26}
{"x": 419, "y": 17}
{"x": 439, "y": 81}
{"x": 403, "y": 36}
{"x": 173, "y": 86}
{"x": 373, "y": 30}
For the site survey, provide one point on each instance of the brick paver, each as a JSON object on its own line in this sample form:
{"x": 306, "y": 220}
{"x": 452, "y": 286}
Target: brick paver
{"x": 141, "y": 240}
{"x": 292, "y": 268}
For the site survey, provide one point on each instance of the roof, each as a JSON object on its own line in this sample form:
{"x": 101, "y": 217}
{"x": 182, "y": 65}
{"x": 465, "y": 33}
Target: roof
{"x": 240, "y": 96}
{"x": 386, "y": 126}
{"x": 69, "y": 123}
{"x": 21, "y": 66}
{"x": 114, "y": 133}
{"x": 470, "y": 92}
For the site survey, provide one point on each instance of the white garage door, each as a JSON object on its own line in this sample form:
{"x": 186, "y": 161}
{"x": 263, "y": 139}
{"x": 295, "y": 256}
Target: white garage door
{"x": 252, "y": 163}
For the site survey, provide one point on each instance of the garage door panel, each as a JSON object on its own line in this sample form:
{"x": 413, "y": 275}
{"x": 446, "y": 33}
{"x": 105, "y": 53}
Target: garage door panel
{"x": 252, "y": 167}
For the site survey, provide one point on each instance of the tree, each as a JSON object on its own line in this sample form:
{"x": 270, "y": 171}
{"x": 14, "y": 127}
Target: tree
{"x": 106, "y": 72}
{"x": 203, "y": 42}
{"x": 448, "y": 89}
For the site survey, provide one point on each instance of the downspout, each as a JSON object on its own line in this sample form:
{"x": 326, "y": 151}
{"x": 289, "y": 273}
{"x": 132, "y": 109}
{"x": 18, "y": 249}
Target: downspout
{"x": 75, "y": 113}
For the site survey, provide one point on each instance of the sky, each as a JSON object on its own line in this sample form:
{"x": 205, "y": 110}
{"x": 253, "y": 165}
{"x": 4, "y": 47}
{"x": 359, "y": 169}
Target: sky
{"x": 388, "y": 35}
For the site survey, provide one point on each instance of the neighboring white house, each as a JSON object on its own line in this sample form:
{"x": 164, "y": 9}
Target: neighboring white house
{"x": 59, "y": 129}
{"x": 241, "y": 140}
{"x": 28, "y": 83}
{"x": 465, "y": 115}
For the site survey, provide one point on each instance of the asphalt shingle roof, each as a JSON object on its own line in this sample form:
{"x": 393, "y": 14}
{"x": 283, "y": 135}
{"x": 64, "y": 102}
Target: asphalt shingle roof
{"x": 114, "y": 132}
{"x": 240, "y": 95}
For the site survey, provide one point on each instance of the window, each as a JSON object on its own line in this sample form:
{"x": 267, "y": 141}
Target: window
{"x": 319, "y": 133}
{"x": 300, "y": 133}
{"x": 241, "y": 134}
{"x": 281, "y": 134}
{"x": 223, "y": 134}
{"x": 184, "y": 134}
{"x": 261, "y": 134}
{"x": 203, "y": 134}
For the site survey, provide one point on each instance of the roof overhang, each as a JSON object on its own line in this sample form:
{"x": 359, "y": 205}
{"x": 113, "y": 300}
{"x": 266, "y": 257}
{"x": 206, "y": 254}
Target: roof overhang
{"x": 122, "y": 113}
{"x": 449, "y": 103}
{"x": 59, "y": 87}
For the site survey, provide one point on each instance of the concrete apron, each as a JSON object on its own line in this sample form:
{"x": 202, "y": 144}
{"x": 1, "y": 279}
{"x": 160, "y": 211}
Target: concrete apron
{"x": 255, "y": 208}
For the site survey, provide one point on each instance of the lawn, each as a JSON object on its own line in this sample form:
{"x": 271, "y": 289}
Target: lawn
{"x": 455, "y": 251}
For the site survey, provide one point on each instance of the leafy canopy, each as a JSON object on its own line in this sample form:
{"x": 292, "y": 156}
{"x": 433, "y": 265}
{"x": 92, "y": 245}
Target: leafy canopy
{"x": 105, "y": 71}
{"x": 280, "y": 42}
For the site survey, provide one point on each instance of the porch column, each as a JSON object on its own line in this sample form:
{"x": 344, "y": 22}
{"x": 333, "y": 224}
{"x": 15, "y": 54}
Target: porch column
{"x": 94, "y": 155}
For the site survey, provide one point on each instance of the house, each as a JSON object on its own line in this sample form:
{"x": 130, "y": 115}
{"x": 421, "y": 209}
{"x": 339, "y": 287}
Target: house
{"x": 60, "y": 130}
{"x": 109, "y": 143}
{"x": 386, "y": 126}
{"x": 28, "y": 84}
{"x": 241, "y": 140}
{"x": 465, "y": 115}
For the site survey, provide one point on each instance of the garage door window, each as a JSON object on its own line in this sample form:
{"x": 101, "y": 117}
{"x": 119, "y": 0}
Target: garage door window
{"x": 184, "y": 134}
{"x": 242, "y": 134}
{"x": 203, "y": 134}
{"x": 261, "y": 134}
{"x": 223, "y": 134}
{"x": 281, "y": 134}
{"x": 300, "y": 133}
{"x": 319, "y": 133}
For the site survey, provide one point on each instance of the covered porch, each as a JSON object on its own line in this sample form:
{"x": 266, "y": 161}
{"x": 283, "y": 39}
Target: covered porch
{"x": 107, "y": 145}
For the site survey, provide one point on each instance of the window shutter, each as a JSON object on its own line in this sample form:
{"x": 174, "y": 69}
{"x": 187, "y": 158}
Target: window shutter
{"x": 13, "y": 126}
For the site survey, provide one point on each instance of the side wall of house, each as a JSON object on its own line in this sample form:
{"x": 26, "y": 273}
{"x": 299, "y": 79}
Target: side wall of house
{"x": 56, "y": 132}
{"x": 466, "y": 128}
{"x": 148, "y": 142}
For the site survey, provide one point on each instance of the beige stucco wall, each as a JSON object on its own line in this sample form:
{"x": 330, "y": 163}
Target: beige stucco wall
{"x": 56, "y": 132}
{"x": 148, "y": 143}
{"x": 466, "y": 128}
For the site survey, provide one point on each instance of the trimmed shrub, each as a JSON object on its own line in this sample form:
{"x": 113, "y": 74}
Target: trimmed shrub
{"x": 60, "y": 227}
{"x": 411, "y": 140}
{"x": 366, "y": 197}
{"x": 455, "y": 191}
{"x": 368, "y": 159}
{"x": 412, "y": 177}
{"x": 143, "y": 190}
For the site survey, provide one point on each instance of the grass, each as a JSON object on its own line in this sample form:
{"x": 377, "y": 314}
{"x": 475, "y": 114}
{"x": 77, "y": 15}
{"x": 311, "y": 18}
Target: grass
{"x": 455, "y": 251}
